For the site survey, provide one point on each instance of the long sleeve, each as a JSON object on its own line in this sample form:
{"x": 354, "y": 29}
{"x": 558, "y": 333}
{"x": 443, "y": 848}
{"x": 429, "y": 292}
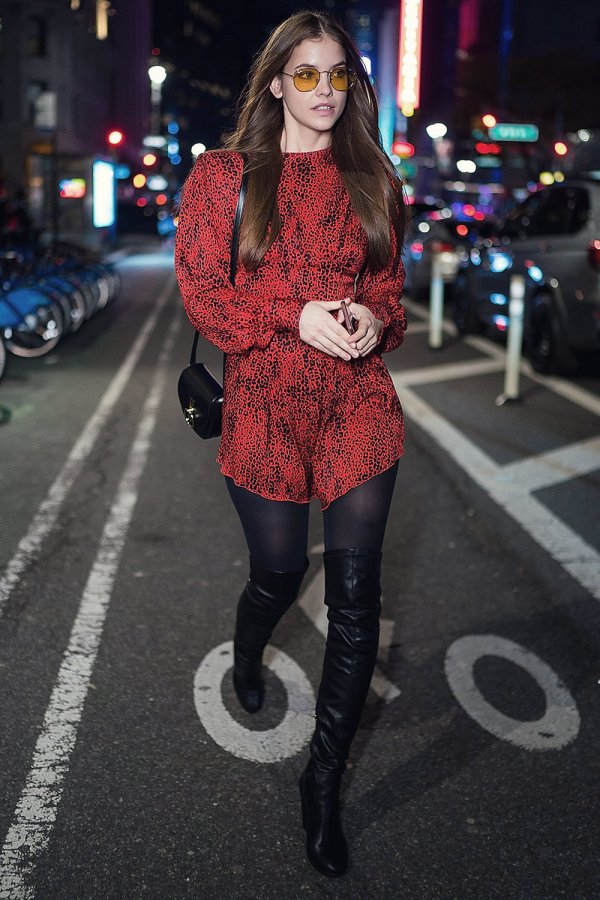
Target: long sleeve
{"x": 381, "y": 293}
{"x": 231, "y": 318}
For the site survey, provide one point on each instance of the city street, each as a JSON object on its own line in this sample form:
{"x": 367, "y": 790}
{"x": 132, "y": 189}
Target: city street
{"x": 129, "y": 769}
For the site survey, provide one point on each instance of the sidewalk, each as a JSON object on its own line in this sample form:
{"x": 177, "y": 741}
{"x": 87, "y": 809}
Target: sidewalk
{"x": 539, "y": 458}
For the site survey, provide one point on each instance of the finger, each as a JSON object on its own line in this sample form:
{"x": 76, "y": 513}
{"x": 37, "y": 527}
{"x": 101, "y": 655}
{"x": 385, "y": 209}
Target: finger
{"x": 322, "y": 348}
{"x": 344, "y": 342}
{"x": 329, "y": 304}
{"x": 369, "y": 348}
{"x": 361, "y": 331}
{"x": 336, "y": 349}
{"x": 366, "y": 339}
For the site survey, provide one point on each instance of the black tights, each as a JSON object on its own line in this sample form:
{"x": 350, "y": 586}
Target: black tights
{"x": 277, "y": 530}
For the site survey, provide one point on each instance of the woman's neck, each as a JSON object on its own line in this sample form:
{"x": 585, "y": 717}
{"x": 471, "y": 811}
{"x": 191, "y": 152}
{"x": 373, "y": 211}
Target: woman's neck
{"x": 296, "y": 140}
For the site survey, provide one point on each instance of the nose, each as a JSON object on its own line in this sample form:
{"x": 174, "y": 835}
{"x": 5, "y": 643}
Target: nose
{"x": 324, "y": 85}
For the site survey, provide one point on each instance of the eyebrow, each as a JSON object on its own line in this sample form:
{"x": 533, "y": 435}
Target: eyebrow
{"x": 315, "y": 66}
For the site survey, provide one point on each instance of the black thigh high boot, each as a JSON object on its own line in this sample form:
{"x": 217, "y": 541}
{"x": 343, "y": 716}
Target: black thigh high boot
{"x": 263, "y": 602}
{"x": 352, "y": 595}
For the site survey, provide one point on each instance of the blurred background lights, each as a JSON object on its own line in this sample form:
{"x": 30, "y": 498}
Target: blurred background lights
{"x": 156, "y": 183}
{"x": 149, "y": 159}
{"x": 139, "y": 180}
{"x": 546, "y": 178}
{"x": 436, "y": 130}
{"x": 198, "y": 148}
{"x": 366, "y": 61}
{"x": 560, "y": 148}
{"x": 465, "y": 165}
{"x": 157, "y": 74}
{"x": 488, "y": 120}
{"x": 173, "y": 128}
{"x": 115, "y": 137}
{"x": 535, "y": 273}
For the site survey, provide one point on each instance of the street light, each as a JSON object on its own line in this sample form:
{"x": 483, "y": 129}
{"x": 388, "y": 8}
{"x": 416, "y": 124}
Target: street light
{"x": 157, "y": 75}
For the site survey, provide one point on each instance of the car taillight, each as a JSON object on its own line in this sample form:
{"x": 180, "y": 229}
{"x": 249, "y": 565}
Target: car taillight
{"x": 594, "y": 254}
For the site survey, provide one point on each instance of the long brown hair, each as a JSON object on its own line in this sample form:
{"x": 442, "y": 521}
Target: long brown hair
{"x": 371, "y": 181}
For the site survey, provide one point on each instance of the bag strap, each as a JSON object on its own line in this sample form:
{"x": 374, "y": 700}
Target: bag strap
{"x": 233, "y": 259}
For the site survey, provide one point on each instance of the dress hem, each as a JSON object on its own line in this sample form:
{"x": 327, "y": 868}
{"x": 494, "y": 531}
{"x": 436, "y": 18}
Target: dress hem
{"x": 324, "y": 504}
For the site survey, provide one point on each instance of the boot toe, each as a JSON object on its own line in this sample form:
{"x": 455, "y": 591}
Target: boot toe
{"x": 326, "y": 862}
{"x": 251, "y": 698}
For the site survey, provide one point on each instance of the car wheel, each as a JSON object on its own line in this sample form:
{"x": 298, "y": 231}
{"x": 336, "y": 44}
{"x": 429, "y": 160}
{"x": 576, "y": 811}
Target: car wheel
{"x": 546, "y": 343}
{"x": 465, "y": 316}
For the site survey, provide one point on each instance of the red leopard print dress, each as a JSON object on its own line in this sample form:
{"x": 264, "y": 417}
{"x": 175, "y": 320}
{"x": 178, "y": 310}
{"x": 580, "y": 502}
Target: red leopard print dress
{"x": 296, "y": 422}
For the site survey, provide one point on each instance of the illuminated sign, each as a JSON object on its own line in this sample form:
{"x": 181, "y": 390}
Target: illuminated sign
{"x": 508, "y": 132}
{"x": 409, "y": 56}
{"x": 103, "y": 194}
{"x": 72, "y": 188}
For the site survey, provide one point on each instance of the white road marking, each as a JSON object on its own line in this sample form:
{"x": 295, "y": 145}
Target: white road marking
{"x": 47, "y": 513}
{"x": 273, "y": 745}
{"x": 312, "y": 605}
{"x": 36, "y": 810}
{"x": 431, "y": 374}
{"x": 555, "y": 466}
{"x": 576, "y": 556}
{"x": 557, "y": 727}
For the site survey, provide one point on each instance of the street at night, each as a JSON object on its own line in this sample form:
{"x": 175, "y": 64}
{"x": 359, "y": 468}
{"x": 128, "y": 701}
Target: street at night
{"x": 130, "y": 769}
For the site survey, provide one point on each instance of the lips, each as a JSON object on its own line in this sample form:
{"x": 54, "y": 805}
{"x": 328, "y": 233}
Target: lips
{"x": 324, "y": 107}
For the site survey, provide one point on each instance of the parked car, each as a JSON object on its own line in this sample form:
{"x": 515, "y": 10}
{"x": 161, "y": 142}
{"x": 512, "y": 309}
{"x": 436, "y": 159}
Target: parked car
{"x": 431, "y": 233}
{"x": 553, "y": 239}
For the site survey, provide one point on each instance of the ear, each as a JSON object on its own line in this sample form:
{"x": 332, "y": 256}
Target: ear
{"x": 275, "y": 87}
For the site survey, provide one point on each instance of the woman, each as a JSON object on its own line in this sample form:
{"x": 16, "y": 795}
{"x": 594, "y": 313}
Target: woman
{"x": 309, "y": 409}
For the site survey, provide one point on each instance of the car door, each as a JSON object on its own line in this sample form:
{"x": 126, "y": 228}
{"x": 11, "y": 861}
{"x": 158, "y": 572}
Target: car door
{"x": 497, "y": 257}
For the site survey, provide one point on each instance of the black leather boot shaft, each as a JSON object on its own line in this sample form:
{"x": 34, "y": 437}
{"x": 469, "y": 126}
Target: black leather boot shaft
{"x": 353, "y": 598}
{"x": 263, "y": 602}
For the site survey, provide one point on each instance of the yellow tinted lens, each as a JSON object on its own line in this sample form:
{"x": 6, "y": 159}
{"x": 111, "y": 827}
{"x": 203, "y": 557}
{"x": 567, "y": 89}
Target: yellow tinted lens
{"x": 306, "y": 79}
{"x": 340, "y": 79}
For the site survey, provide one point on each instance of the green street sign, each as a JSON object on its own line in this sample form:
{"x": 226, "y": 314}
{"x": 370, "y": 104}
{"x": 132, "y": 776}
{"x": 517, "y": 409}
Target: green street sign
{"x": 516, "y": 132}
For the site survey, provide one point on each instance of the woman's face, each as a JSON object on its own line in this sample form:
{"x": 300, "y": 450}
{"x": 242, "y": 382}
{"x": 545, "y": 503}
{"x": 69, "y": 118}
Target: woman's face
{"x": 318, "y": 109}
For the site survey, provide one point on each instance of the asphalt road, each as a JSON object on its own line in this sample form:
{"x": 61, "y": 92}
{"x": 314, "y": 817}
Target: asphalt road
{"x": 128, "y": 770}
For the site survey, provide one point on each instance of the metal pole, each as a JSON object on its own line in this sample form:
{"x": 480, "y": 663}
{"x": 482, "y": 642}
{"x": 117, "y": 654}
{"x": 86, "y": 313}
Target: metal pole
{"x": 436, "y": 304}
{"x": 514, "y": 344}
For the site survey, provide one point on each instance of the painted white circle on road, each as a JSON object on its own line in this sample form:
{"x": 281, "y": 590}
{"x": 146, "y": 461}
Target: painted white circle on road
{"x": 558, "y": 726}
{"x": 273, "y": 745}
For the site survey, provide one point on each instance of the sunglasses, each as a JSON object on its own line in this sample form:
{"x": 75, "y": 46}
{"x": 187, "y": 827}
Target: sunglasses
{"x": 307, "y": 78}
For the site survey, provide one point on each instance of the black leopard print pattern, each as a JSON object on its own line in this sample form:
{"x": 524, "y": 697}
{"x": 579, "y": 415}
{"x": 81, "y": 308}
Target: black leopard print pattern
{"x": 296, "y": 423}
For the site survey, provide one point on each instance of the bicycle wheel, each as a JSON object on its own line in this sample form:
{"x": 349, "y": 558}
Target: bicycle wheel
{"x": 38, "y": 333}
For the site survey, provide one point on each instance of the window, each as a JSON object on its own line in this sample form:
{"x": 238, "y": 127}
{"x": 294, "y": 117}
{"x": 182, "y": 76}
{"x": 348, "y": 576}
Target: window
{"x": 564, "y": 211}
{"x": 580, "y": 206}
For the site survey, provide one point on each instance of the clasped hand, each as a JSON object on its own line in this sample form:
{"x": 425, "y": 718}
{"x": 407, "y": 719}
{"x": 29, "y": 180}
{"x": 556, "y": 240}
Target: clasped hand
{"x": 320, "y": 329}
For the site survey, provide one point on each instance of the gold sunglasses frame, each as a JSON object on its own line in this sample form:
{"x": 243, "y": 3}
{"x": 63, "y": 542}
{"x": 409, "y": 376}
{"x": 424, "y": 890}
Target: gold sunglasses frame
{"x": 351, "y": 78}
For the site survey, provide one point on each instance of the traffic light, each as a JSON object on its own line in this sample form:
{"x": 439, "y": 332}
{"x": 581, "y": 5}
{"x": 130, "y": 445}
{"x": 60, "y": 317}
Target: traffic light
{"x": 403, "y": 149}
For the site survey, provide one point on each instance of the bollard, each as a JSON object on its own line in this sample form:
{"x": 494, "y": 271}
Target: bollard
{"x": 514, "y": 344}
{"x": 436, "y": 303}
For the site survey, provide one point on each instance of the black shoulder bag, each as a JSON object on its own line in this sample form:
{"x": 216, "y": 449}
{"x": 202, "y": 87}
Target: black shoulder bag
{"x": 200, "y": 394}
